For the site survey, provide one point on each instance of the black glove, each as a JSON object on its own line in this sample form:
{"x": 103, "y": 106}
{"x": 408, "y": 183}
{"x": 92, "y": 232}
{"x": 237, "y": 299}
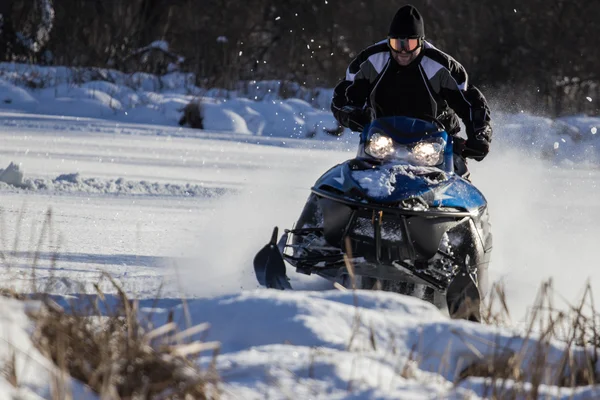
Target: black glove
{"x": 355, "y": 118}
{"x": 477, "y": 145}
{"x": 450, "y": 121}
{"x": 458, "y": 145}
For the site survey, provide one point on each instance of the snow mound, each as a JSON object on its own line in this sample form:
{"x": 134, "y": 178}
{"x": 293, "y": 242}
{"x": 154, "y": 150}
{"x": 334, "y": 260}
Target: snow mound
{"x": 256, "y": 109}
{"x": 74, "y": 183}
{"x": 12, "y": 177}
{"x": 338, "y": 344}
{"x": 221, "y": 119}
{"x": 12, "y": 96}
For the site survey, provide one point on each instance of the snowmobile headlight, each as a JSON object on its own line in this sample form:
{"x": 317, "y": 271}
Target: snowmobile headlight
{"x": 429, "y": 153}
{"x": 380, "y": 146}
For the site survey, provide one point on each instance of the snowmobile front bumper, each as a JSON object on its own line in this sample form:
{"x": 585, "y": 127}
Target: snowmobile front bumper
{"x": 397, "y": 245}
{"x": 269, "y": 266}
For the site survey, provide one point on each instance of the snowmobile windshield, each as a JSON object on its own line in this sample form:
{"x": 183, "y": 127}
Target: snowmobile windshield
{"x": 405, "y": 129}
{"x": 410, "y": 140}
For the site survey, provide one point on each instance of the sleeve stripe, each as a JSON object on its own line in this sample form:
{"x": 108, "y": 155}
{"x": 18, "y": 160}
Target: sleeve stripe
{"x": 431, "y": 67}
{"x": 377, "y": 54}
{"x": 379, "y": 60}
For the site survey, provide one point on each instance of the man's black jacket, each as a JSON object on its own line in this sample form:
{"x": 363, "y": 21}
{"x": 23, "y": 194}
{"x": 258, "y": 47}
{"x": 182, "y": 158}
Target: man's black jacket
{"x": 433, "y": 84}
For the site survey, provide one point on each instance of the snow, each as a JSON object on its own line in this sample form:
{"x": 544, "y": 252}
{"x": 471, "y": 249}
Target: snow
{"x": 171, "y": 212}
{"x": 170, "y": 244}
{"x": 536, "y": 137}
{"x": 74, "y": 183}
{"x": 160, "y": 44}
{"x": 351, "y": 345}
{"x": 219, "y": 119}
{"x": 12, "y": 175}
{"x": 145, "y": 98}
{"x": 379, "y": 183}
{"x": 254, "y": 108}
{"x": 124, "y": 187}
{"x": 15, "y": 97}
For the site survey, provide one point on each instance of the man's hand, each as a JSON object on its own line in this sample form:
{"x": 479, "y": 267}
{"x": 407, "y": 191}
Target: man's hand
{"x": 477, "y": 145}
{"x": 356, "y": 118}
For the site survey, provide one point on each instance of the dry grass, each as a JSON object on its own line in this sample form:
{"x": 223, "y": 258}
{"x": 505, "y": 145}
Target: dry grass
{"x": 108, "y": 346}
{"x": 9, "y": 370}
{"x": 117, "y": 357}
{"x": 519, "y": 374}
{"x": 120, "y": 358}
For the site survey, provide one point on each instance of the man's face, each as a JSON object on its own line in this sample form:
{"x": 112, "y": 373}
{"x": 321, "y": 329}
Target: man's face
{"x": 403, "y": 58}
{"x": 405, "y": 50}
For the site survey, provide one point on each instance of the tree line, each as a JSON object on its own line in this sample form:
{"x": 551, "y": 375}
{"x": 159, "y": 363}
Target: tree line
{"x": 534, "y": 55}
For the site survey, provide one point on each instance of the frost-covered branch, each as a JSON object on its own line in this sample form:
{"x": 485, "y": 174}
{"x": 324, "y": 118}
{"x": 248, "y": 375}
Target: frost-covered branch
{"x": 41, "y": 34}
{"x": 47, "y": 22}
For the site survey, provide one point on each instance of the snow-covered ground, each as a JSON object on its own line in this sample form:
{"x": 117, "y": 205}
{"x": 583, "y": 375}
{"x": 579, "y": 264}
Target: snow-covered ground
{"x": 375, "y": 345}
{"x": 172, "y": 212}
{"x": 168, "y": 243}
{"x": 255, "y": 108}
{"x": 157, "y": 195}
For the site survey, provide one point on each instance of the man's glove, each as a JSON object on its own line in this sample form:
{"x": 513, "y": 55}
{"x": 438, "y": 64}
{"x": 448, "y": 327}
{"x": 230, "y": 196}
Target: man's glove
{"x": 355, "y": 118}
{"x": 458, "y": 145}
{"x": 477, "y": 145}
{"x": 450, "y": 121}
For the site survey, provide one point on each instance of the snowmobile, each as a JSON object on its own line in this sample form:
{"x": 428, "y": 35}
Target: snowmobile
{"x": 396, "y": 217}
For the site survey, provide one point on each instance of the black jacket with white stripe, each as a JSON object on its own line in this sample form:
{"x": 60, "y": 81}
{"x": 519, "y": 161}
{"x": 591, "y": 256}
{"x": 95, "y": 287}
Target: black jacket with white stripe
{"x": 433, "y": 84}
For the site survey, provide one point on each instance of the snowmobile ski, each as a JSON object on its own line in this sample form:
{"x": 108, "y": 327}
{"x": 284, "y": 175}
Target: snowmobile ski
{"x": 270, "y": 267}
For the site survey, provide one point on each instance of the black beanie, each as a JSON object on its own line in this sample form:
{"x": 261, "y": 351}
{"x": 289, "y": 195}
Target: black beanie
{"x": 407, "y": 23}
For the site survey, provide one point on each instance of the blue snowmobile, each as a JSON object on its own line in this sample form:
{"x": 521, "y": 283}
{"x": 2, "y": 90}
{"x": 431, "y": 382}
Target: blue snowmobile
{"x": 396, "y": 217}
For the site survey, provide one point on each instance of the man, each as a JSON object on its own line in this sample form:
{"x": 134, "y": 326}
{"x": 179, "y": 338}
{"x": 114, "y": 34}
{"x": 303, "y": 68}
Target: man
{"x": 406, "y": 75}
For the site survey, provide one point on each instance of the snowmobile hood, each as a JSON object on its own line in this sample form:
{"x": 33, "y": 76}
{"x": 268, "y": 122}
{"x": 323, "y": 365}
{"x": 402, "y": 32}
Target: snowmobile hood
{"x": 392, "y": 184}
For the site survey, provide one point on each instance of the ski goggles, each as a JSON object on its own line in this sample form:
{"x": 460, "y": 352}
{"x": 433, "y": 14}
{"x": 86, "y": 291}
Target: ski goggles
{"x": 407, "y": 45}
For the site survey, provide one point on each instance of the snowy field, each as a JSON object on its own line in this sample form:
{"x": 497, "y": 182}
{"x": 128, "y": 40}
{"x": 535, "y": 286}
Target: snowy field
{"x": 172, "y": 212}
{"x": 149, "y": 198}
{"x": 130, "y": 197}
{"x": 122, "y": 215}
